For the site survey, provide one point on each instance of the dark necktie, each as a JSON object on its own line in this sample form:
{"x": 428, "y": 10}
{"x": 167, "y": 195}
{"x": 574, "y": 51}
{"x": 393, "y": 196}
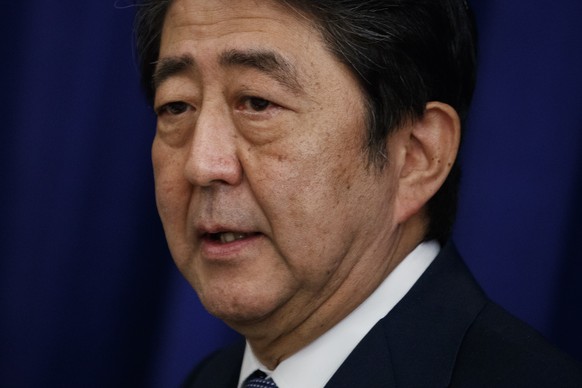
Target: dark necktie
{"x": 259, "y": 380}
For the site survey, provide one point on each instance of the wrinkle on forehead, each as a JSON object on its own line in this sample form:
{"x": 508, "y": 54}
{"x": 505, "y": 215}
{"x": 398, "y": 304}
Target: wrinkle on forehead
{"x": 197, "y": 28}
{"x": 206, "y": 18}
{"x": 206, "y": 29}
{"x": 205, "y": 13}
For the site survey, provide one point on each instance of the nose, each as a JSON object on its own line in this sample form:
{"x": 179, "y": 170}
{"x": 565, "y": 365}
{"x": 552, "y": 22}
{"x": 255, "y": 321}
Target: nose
{"x": 212, "y": 157}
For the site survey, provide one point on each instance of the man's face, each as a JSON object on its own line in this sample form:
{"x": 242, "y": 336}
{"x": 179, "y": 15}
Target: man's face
{"x": 269, "y": 206}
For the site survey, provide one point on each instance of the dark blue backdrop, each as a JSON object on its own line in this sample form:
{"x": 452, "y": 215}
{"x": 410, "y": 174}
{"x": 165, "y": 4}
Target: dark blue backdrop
{"x": 88, "y": 293}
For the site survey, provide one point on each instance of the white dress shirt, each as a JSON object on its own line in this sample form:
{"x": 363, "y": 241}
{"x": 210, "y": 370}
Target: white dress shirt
{"x": 315, "y": 364}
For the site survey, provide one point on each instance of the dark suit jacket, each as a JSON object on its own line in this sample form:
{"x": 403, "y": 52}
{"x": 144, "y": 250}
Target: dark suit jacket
{"x": 444, "y": 332}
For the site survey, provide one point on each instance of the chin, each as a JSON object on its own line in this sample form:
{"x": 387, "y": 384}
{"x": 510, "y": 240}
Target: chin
{"x": 238, "y": 308}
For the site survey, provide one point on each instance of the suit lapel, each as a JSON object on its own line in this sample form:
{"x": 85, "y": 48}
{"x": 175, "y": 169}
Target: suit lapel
{"x": 220, "y": 370}
{"x": 416, "y": 344}
{"x": 369, "y": 365}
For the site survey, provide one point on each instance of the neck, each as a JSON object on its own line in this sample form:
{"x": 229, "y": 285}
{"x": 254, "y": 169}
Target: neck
{"x": 273, "y": 341}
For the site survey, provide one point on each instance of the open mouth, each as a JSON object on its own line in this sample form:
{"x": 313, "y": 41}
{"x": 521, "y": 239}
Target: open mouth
{"x": 228, "y": 237}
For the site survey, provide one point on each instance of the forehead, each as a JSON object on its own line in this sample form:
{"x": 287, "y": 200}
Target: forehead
{"x": 273, "y": 38}
{"x": 218, "y": 38}
{"x": 212, "y": 19}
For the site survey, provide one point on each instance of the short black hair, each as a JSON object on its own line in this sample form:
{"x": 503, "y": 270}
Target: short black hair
{"x": 405, "y": 53}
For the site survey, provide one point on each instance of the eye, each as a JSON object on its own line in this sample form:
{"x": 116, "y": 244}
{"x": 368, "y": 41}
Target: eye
{"x": 256, "y": 104}
{"x": 173, "y": 108}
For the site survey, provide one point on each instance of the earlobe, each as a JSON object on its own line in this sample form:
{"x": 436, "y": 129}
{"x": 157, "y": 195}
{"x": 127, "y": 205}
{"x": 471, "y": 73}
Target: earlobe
{"x": 430, "y": 148}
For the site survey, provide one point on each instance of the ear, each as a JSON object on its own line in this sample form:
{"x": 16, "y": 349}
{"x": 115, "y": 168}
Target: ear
{"x": 427, "y": 149}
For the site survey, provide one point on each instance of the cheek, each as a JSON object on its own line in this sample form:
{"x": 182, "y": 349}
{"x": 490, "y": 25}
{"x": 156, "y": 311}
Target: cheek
{"x": 172, "y": 190}
{"x": 305, "y": 194}
{"x": 172, "y": 203}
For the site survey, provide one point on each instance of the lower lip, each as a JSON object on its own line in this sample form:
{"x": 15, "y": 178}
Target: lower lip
{"x": 213, "y": 250}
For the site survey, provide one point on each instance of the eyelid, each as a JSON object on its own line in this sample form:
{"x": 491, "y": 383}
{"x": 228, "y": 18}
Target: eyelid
{"x": 249, "y": 99}
{"x": 164, "y": 108}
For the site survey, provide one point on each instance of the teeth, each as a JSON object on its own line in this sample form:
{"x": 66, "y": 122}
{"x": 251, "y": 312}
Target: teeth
{"x": 230, "y": 237}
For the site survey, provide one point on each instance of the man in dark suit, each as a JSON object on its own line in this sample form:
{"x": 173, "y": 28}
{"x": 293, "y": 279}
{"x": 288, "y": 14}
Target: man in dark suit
{"x": 305, "y": 176}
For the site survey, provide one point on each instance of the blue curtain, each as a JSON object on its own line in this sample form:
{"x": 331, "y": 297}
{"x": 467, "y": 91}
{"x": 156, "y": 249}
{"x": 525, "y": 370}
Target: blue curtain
{"x": 520, "y": 219}
{"x": 89, "y": 295}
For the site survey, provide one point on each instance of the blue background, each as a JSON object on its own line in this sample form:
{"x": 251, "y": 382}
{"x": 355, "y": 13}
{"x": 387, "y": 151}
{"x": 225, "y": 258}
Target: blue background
{"x": 89, "y": 295}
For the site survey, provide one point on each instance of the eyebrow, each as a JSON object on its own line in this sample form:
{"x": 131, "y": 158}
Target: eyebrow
{"x": 265, "y": 61}
{"x": 169, "y": 67}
